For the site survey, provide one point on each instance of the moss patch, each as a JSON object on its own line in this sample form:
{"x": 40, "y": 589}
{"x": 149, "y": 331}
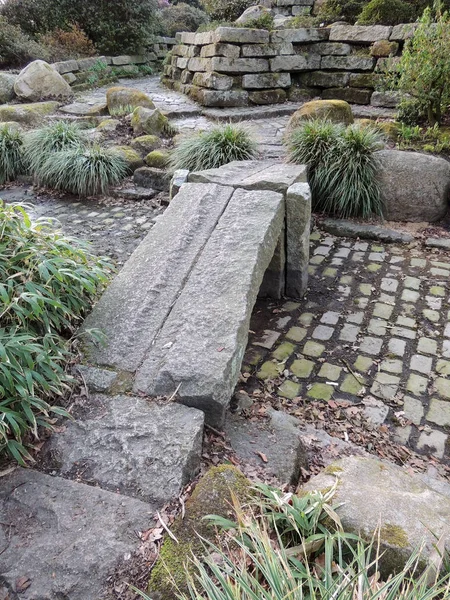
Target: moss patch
{"x": 394, "y": 535}
{"x": 213, "y": 495}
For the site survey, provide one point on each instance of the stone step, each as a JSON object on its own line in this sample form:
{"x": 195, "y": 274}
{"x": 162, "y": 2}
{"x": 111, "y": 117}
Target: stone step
{"x": 250, "y": 113}
{"x": 142, "y": 449}
{"x": 202, "y": 343}
{"x": 61, "y": 539}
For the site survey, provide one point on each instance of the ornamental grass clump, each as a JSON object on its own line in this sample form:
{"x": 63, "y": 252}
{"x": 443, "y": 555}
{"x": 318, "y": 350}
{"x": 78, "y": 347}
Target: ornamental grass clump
{"x": 11, "y": 153}
{"x": 342, "y": 166}
{"x": 42, "y": 143}
{"x": 85, "y": 170}
{"x": 47, "y": 285}
{"x": 212, "y": 149}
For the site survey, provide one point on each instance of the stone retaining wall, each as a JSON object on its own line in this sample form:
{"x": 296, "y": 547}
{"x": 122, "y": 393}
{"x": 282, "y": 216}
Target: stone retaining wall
{"x": 81, "y": 72}
{"x": 239, "y": 67}
{"x": 294, "y": 8}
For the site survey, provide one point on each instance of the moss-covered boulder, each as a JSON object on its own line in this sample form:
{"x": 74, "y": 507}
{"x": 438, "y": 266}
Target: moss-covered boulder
{"x": 407, "y": 509}
{"x": 39, "y": 81}
{"x": 213, "y": 495}
{"x": 108, "y": 125}
{"x": 337, "y": 111}
{"x": 158, "y": 159}
{"x": 146, "y": 143}
{"x": 7, "y": 81}
{"x": 132, "y": 158}
{"x": 27, "y": 114}
{"x": 383, "y": 48}
{"x": 145, "y": 120}
{"x": 118, "y": 98}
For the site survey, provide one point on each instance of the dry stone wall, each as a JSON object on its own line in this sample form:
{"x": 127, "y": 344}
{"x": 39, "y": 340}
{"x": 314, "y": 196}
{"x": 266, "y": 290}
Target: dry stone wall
{"x": 240, "y": 67}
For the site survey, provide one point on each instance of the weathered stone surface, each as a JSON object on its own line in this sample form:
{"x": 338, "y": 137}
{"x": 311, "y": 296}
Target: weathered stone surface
{"x": 414, "y": 186}
{"x": 239, "y": 65}
{"x": 158, "y": 158}
{"x": 386, "y": 99}
{"x": 362, "y": 80}
{"x": 352, "y": 95}
{"x": 66, "y": 66}
{"x": 153, "y": 178}
{"x": 274, "y": 282}
{"x": 7, "y": 81}
{"x": 80, "y": 109}
{"x": 279, "y": 440}
{"x": 384, "y": 48}
{"x": 213, "y": 81}
{"x": 27, "y": 114}
{"x": 326, "y": 49}
{"x": 128, "y": 444}
{"x": 242, "y": 36}
{"x": 108, "y": 125}
{"x": 135, "y": 305}
{"x": 262, "y": 97}
{"x": 227, "y": 50}
{"x": 223, "y": 98}
{"x": 70, "y": 78}
{"x": 366, "y": 232}
{"x": 443, "y": 243}
{"x": 325, "y": 79}
{"x": 252, "y": 13}
{"x": 377, "y": 495}
{"x": 337, "y": 111}
{"x": 180, "y": 177}
{"x": 132, "y": 158}
{"x": 84, "y": 64}
{"x": 199, "y": 65}
{"x": 38, "y": 81}
{"x": 145, "y": 144}
{"x": 202, "y": 343}
{"x": 253, "y": 175}
{"x": 297, "y": 62}
{"x": 348, "y": 63}
{"x": 266, "y": 80}
{"x": 97, "y": 380}
{"x": 302, "y": 35}
{"x": 298, "y": 226}
{"x": 66, "y": 536}
{"x": 266, "y": 50}
{"x": 403, "y": 32}
{"x": 118, "y": 97}
{"x": 148, "y": 121}
{"x": 213, "y": 494}
{"x": 359, "y": 33}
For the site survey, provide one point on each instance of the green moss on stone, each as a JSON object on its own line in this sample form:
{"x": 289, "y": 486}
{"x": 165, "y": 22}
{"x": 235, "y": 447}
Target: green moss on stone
{"x": 213, "y": 495}
{"x": 394, "y": 535}
{"x": 158, "y": 159}
{"x": 333, "y": 470}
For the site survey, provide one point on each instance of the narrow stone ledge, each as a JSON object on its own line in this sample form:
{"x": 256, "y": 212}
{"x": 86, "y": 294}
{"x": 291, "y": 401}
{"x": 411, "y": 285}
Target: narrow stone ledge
{"x": 368, "y": 232}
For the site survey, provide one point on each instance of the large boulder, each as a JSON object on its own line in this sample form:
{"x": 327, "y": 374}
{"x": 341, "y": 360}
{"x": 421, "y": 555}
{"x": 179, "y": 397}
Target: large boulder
{"x": 39, "y": 81}
{"x": 337, "y": 111}
{"x": 120, "y": 97}
{"x": 145, "y": 120}
{"x": 414, "y": 187}
{"x": 132, "y": 158}
{"x": 7, "y": 81}
{"x": 406, "y": 509}
{"x": 253, "y": 13}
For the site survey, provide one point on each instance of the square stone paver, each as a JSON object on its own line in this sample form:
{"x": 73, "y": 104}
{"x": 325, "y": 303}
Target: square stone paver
{"x": 351, "y": 385}
{"x": 383, "y": 311}
{"x": 377, "y": 327}
{"x": 389, "y": 285}
{"x": 427, "y": 346}
{"x": 321, "y": 391}
{"x": 371, "y": 345}
{"x": 397, "y": 347}
{"x": 349, "y": 333}
{"x": 306, "y": 319}
{"x": 413, "y": 409}
{"x": 302, "y": 368}
{"x": 322, "y": 332}
{"x": 283, "y": 351}
{"x": 330, "y": 318}
{"x": 443, "y": 387}
{"x": 403, "y": 332}
{"x": 268, "y": 370}
{"x": 297, "y": 334}
{"x": 443, "y": 367}
{"x": 385, "y": 386}
{"x": 392, "y": 365}
{"x": 363, "y": 363}
{"x": 421, "y": 363}
{"x": 289, "y": 389}
{"x": 313, "y": 349}
{"x": 412, "y": 283}
{"x": 434, "y": 441}
{"x": 329, "y": 371}
{"x": 417, "y": 384}
{"x": 439, "y": 412}
{"x": 410, "y": 295}
{"x": 268, "y": 340}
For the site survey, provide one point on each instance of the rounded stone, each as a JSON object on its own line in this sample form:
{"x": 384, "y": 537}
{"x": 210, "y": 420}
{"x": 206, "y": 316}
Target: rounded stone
{"x": 337, "y": 111}
{"x": 39, "y": 81}
{"x": 415, "y": 187}
{"x": 7, "y": 81}
{"x": 119, "y": 97}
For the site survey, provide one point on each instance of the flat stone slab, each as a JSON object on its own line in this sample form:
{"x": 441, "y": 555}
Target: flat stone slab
{"x": 62, "y": 538}
{"x": 135, "y": 193}
{"x": 80, "y": 109}
{"x": 253, "y": 175}
{"x": 202, "y": 343}
{"x": 377, "y": 494}
{"x": 366, "y": 232}
{"x": 250, "y": 112}
{"x": 128, "y": 444}
{"x": 134, "y": 307}
{"x": 443, "y": 243}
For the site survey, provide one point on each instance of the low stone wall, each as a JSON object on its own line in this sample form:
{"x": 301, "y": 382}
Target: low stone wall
{"x": 239, "y": 67}
{"x": 294, "y": 8}
{"x": 83, "y": 71}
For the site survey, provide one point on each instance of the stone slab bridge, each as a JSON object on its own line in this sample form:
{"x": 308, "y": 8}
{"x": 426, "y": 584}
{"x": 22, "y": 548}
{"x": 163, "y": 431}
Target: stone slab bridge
{"x": 177, "y": 316}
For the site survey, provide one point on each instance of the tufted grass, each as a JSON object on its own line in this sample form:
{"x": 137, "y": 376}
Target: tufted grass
{"x": 342, "y": 167}
{"x": 84, "y": 170}
{"x": 11, "y": 153}
{"x": 214, "y": 148}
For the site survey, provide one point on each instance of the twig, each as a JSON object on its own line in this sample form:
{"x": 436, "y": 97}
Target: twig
{"x": 352, "y": 372}
{"x": 166, "y": 528}
{"x": 215, "y": 431}
{"x": 175, "y": 393}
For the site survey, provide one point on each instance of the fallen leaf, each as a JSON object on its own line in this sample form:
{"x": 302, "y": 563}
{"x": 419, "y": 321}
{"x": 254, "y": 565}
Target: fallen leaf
{"x": 262, "y": 456}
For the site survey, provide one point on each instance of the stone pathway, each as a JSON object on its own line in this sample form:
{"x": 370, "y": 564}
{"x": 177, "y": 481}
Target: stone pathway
{"x": 374, "y": 328}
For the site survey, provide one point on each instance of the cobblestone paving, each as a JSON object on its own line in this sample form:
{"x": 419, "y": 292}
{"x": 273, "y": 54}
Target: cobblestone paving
{"x": 114, "y": 227}
{"x": 374, "y": 328}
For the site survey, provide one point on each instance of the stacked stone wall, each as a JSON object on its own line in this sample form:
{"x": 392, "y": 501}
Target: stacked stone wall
{"x": 293, "y": 8}
{"x": 232, "y": 67}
